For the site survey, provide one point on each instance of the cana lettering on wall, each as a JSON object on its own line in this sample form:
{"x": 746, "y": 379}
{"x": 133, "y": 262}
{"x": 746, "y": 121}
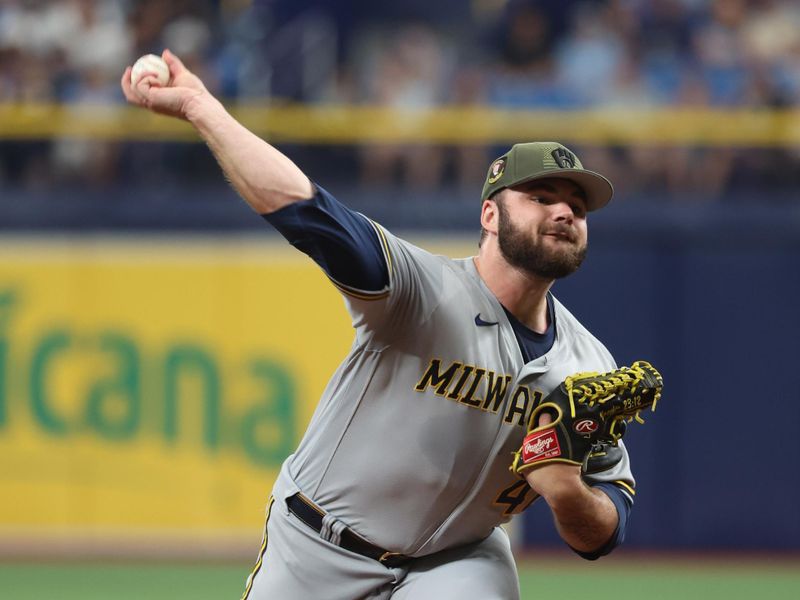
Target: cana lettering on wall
{"x": 105, "y": 383}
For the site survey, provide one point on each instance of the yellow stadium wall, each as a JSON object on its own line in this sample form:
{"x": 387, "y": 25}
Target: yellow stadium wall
{"x": 149, "y": 390}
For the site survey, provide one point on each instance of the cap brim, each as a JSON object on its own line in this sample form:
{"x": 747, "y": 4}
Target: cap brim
{"x": 598, "y": 189}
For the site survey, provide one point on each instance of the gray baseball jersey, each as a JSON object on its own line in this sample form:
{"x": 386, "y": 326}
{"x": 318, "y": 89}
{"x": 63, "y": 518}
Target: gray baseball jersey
{"x": 411, "y": 442}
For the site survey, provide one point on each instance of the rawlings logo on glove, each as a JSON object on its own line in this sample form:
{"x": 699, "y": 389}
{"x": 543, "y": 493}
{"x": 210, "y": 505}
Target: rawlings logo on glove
{"x": 589, "y": 413}
{"x": 540, "y": 446}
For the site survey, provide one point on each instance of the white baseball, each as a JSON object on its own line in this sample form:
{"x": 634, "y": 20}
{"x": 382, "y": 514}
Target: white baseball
{"x": 150, "y": 63}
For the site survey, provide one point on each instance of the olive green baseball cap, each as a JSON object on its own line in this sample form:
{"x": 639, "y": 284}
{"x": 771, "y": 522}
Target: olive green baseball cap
{"x": 540, "y": 160}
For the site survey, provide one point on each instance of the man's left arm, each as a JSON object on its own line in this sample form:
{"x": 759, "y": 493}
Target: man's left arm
{"x": 574, "y": 458}
{"x": 590, "y": 519}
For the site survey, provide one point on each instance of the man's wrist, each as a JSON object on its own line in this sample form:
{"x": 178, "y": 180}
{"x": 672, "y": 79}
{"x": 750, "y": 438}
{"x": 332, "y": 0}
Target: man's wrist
{"x": 585, "y": 517}
{"x": 204, "y": 111}
{"x": 557, "y": 483}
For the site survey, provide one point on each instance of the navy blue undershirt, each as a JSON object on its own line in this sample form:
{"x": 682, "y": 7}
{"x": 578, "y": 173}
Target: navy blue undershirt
{"x": 346, "y": 246}
{"x": 533, "y": 344}
{"x": 340, "y": 240}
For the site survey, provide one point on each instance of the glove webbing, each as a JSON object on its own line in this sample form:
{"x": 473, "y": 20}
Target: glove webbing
{"x": 601, "y": 389}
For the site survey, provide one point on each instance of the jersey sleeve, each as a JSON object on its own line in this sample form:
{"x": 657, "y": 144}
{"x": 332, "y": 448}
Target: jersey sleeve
{"x": 343, "y": 242}
{"x": 418, "y": 283}
{"x": 388, "y": 284}
{"x": 623, "y": 502}
{"x": 619, "y": 485}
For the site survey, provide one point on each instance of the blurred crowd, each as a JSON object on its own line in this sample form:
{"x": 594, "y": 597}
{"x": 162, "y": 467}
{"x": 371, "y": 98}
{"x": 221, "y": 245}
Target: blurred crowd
{"x": 496, "y": 53}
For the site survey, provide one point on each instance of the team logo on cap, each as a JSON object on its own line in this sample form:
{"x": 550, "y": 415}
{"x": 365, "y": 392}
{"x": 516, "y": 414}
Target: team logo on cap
{"x": 564, "y": 158}
{"x": 497, "y": 169}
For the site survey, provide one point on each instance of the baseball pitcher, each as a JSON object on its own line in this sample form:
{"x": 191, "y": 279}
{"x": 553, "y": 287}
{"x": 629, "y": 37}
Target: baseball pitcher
{"x": 469, "y": 391}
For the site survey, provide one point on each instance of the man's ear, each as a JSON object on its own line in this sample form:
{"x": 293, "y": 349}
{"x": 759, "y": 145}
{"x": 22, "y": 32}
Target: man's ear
{"x": 490, "y": 215}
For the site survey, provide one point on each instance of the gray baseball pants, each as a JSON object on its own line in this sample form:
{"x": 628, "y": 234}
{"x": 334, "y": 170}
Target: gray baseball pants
{"x": 295, "y": 563}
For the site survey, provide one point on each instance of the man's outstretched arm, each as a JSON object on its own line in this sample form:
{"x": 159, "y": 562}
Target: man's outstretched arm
{"x": 344, "y": 243}
{"x": 262, "y": 175}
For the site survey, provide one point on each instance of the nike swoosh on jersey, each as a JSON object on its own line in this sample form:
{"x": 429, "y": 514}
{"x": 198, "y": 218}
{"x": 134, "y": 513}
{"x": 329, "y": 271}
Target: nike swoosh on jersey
{"x": 481, "y": 323}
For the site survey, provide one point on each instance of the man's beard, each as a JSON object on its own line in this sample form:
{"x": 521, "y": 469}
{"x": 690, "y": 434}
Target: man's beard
{"x": 534, "y": 257}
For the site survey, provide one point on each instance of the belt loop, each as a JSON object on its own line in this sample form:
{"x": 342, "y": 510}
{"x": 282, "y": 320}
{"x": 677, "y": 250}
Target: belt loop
{"x": 337, "y": 532}
{"x": 331, "y": 530}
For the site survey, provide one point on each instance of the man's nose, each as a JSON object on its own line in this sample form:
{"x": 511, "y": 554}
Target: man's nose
{"x": 563, "y": 212}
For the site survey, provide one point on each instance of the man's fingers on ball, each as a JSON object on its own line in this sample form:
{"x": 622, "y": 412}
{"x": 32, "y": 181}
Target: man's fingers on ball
{"x": 150, "y": 65}
{"x": 175, "y": 64}
{"x": 131, "y": 94}
{"x": 125, "y": 82}
{"x": 151, "y": 79}
{"x": 135, "y": 93}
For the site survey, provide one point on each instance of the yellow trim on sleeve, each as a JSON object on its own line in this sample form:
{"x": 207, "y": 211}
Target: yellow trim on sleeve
{"x": 626, "y": 486}
{"x": 385, "y": 245}
{"x": 364, "y": 294}
{"x": 360, "y": 295}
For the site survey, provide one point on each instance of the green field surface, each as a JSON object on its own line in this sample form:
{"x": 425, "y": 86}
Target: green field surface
{"x": 639, "y": 579}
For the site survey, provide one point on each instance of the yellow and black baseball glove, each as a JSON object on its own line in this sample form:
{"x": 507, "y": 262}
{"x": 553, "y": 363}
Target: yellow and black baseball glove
{"x": 589, "y": 413}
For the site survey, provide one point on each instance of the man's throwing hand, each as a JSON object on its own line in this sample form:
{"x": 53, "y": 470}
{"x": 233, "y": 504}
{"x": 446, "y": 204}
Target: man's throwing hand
{"x": 174, "y": 99}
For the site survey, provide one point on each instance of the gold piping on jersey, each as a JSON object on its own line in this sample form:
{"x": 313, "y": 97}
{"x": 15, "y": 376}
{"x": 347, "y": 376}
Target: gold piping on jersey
{"x": 625, "y": 485}
{"x": 261, "y": 552}
{"x": 359, "y": 294}
{"x": 385, "y": 244}
{"x": 366, "y": 294}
